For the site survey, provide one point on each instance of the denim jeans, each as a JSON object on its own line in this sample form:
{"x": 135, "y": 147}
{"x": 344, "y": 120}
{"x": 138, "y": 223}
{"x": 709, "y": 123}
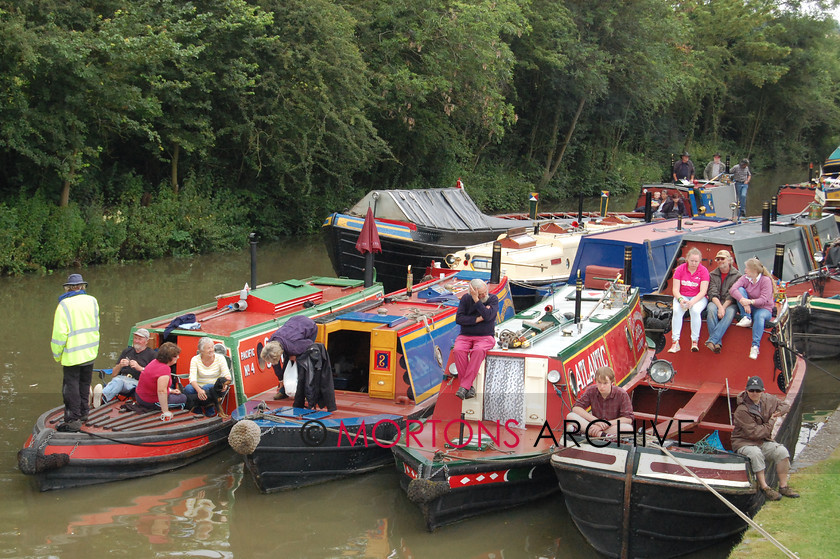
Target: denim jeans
{"x": 758, "y": 316}
{"x": 120, "y": 384}
{"x": 741, "y": 193}
{"x": 717, "y": 327}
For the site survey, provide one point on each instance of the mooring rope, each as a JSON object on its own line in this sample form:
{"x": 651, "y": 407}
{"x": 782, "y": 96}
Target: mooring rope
{"x": 726, "y": 502}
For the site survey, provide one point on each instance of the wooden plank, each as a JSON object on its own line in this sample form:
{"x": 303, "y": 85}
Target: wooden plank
{"x": 699, "y": 405}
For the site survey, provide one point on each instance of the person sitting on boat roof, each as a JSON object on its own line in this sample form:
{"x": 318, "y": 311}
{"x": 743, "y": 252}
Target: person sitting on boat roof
{"x": 153, "y": 390}
{"x": 722, "y": 305}
{"x": 609, "y": 403}
{"x": 126, "y": 373}
{"x": 291, "y": 339}
{"x": 205, "y": 368}
{"x": 477, "y": 311}
{"x": 714, "y": 169}
{"x": 754, "y": 293}
{"x": 752, "y": 436}
{"x": 691, "y": 282}
{"x": 684, "y": 168}
{"x": 673, "y": 207}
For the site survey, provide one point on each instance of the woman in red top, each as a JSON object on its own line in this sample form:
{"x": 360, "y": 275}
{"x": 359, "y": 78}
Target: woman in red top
{"x": 153, "y": 389}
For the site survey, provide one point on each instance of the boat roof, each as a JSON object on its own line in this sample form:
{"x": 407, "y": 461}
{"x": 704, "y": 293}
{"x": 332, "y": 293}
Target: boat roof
{"x": 746, "y": 240}
{"x": 652, "y": 245}
{"x": 439, "y": 208}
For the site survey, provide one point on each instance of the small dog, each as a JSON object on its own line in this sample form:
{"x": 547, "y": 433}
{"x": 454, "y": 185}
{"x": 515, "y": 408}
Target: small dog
{"x": 215, "y": 395}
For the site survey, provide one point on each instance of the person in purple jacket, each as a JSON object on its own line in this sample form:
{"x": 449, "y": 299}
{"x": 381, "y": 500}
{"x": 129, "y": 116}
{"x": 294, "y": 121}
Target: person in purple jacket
{"x": 291, "y": 340}
{"x": 476, "y": 316}
{"x": 754, "y": 293}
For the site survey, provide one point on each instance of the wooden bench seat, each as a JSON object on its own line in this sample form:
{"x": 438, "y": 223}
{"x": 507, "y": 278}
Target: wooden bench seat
{"x": 694, "y": 410}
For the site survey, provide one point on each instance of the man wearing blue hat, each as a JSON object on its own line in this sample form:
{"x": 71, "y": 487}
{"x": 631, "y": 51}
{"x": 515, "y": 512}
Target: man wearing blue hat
{"x": 75, "y": 344}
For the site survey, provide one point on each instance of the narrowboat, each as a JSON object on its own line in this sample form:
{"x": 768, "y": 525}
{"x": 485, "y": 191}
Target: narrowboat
{"x": 492, "y": 451}
{"x": 646, "y": 495}
{"x": 702, "y": 198}
{"x": 533, "y": 258}
{"x": 419, "y": 226}
{"x": 645, "y": 251}
{"x": 388, "y": 360}
{"x": 115, "y": 444}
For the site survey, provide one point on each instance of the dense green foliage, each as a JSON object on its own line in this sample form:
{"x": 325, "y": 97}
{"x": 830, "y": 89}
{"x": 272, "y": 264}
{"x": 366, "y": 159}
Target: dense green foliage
{"x": 132, "y": 130}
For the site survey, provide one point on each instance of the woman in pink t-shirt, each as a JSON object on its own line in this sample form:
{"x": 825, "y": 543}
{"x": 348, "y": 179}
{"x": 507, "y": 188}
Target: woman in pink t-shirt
{"x": 691, "y": 281}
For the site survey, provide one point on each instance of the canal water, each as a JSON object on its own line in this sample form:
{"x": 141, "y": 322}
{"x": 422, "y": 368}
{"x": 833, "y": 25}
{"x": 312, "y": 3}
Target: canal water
{"x": 212, "y": 508}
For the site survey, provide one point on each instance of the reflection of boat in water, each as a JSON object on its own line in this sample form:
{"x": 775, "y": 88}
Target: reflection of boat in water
{"x": 114, "y": 444}
{"x": 391, "y": 354}
{"x": 491, "y": 452}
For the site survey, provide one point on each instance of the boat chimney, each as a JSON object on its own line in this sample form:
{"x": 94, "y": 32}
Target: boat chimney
{"x": 648, "y": 208}
{"x": 252, "y": 239}
{"x": 774, "y": 208}
{"x": 679, "y": 222}
{"x": 779, "y": 261}
{"x": 496, "y": 263}
{"x": 727, "y": 163}
{"x": 578, "y": 297}
{"x": 765, "y": 217}
{"x": 409, "y": 281}
{"x": 628, "y": 255}
{"x": 580, "y": 210}
{"x": 810, "y": 170}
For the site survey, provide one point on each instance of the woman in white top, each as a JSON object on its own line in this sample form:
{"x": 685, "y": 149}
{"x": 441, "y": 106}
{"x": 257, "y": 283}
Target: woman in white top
{"x": 205, "y": 368}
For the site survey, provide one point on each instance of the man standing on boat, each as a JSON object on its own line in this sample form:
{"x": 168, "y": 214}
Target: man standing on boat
{"x": 752, "y": 436}
{"x": 722, "y": 305}
{"x": 684, "y": 168}
{"x": 741, "y": 176}
{"x": 714, "y": 169}
{"x": 75, "y": 344}
{"x": 126, "y": 373}
{"x": 476, "y": 316}
{"x": 610, "y": 405}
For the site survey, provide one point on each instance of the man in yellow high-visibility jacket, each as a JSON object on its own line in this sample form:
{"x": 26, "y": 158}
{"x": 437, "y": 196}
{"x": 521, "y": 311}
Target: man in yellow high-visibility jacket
{"x": 75, "y": 344}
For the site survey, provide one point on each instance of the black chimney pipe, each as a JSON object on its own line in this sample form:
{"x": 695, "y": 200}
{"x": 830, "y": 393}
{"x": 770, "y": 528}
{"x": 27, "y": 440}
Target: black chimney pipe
{"x": 774, "y": 208}
{"x": 765, "y": 217}
{"x": 580, "y": 210}
{"x": 578, "y": 297}
{"x": 648, "y": 206}
{"x": 628, "y": 267}
{"x": 252, "y": 239}
{"x": 496, "y": 263}
{"x": 779, "y": 261}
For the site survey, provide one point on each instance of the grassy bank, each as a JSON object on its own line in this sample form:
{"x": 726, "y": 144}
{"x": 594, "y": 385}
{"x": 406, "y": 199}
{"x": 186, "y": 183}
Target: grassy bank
{"x": 807, "y": 526}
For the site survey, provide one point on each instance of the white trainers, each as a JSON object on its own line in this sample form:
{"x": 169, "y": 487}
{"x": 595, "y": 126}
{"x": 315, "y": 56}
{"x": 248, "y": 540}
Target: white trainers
{"x": 745, "y": 322}
{"x": 97, "y": 395}
{"x": 754, "y": 352}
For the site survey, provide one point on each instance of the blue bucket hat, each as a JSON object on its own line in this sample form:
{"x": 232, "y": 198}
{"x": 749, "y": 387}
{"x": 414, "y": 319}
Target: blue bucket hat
{"x": 75, "y": 279}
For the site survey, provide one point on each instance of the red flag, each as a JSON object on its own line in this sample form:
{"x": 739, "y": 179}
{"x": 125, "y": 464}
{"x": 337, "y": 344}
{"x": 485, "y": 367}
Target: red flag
{"x": 369, "y": 237}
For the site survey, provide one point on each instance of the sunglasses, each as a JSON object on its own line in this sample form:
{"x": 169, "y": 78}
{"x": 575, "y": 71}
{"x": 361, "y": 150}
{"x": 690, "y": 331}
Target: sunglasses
{"x": 754, "y": 390}
{"x": 720, "y": 258}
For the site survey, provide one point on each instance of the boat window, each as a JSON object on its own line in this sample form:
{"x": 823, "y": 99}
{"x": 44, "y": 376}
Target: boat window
{"x": 350, "y": 358}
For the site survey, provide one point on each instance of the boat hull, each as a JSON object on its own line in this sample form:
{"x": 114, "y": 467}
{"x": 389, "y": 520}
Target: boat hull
{"x": 287, "y": 458}
{"x": 401, "y": 247}
{"x": 468, "y": 490}
{"x": 63, "y": 460}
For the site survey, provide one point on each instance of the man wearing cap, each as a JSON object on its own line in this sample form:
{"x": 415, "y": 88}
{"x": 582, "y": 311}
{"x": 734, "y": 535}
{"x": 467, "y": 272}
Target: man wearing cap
{"x": 714, "y": 169}
{"x": 741, "y": 176}
{"x": 722, "y": 306}
{"x": 684, "y": 168}
{"x": 75, "y": 344}
{"x": 752, "y": 436}
{"x": 126, "y": 373}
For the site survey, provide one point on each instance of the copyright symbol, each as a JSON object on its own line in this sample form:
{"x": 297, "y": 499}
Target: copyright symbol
{"x": 313, "y": 433}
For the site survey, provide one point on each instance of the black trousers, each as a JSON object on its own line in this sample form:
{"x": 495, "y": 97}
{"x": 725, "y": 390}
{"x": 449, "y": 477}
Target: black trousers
{"x": 76, "y": 391}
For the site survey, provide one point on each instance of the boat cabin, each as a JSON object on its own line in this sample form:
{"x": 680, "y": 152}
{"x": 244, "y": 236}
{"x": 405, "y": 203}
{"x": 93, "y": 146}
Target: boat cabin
{"x": 710, "y": 199}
